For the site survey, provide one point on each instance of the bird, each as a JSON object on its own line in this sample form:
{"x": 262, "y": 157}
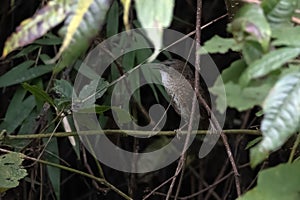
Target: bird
{"x": 178, "y": 79}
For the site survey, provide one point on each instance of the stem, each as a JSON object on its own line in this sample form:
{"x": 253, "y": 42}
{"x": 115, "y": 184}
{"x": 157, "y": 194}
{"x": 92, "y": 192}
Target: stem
{"x": 4, "y": 136}
{"x": 100, "y": 180}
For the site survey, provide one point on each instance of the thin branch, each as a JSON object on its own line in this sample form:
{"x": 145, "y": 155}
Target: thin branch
{"x": 182, "y": 159}
{"x": 295, "y": 146}
{"x": 100, "y": 180}
{"x": 225, "y": 142}
{"x": 4, "y": 136}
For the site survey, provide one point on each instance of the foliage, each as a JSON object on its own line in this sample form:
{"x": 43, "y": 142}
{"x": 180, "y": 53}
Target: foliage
{"x": 269, "y": 183}
{"x": 11, "y": 171}
{"x": 263, "y": 81}
{"x": 267, "y": 75}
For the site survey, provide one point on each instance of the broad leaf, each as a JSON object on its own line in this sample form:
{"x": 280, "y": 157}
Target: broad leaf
{"x": 281, "y": 119}
{"x": 252, "y": 51}
{"x": 155, "y": 15}
{"x": 220, "y": 45}
{"x": 277, "y": 183}
{"x": 63, "y": 88}
{"x": 251, "y": 24}
{"x": 80, "y": 27}
{"x": 282, "y": 39}
{"x": 22, "y": 73}
{"x": 268, "y": 63}
{"x": 244, "y": 98}
{"x": 279, "y": 12}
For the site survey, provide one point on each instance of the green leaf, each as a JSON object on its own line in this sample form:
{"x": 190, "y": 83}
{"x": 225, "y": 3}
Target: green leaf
{"x": 89, "y": 93}
{"x": 49, "y": 41}
{"x": 123, "y": 116}
{"x": 25, "y": 51}
{"x": 289, "y": 36}
{"x": 11, "y": 171}
{"x": 99, "y": 109}
{"x": 18, "y": 110}
{"x": 64, "y": 89}
{"x": 237, "y": 96}
{"x": 233, "y": 72}
{"x": 268, "y": 63}
{"x": 39, "y": 93}
{"x": 244, "y": 98}
{"x": 252, "y": 51}
{"x": 220, "y": 45}
{"x": 155, "y": 15}
{"x": 11, "y": 75}
{"x": 74, "y": 23}
{"x": 128, "y": 64}
{"x": 282, "y": 117}
{"x": 95, "y": 89}
{"x": 21, "y": 73}
{"x": 80, "y": 27}
{"x": 112, "y": 20}
{"x": 277, "y": 183}
{"x": 279, "y": 12}
{"x": 54, "y": 173}
{"x": 250, "y": 24}
{"x": 87, "y": 71}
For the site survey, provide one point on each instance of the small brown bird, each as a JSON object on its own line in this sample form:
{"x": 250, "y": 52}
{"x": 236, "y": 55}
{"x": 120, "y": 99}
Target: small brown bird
{"x": 178, "y": 80}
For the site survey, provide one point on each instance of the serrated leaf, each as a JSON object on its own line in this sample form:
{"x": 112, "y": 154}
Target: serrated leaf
{"x": 250, "y": 24}
{"x": 279, "y": 12}
{"x": 39, "y": 93}
{"x": 277, "y": 183}
{"x": 268, "y": 63}
{"x": 220, "y": 45}
{"x": 155, "y": 15}
{"x": 31, "y": 29}
{"x": 11, "y": 171}
{"x": 21, "y": 73}
{"x": 282, "y": 117}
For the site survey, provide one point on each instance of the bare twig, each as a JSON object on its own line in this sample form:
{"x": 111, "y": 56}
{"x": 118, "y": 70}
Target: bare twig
{"x": 123, "y": 133}
{"x": 225, "y": 141}
{"x": 196, "y": 87}
{"x": 100, "y": 180}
